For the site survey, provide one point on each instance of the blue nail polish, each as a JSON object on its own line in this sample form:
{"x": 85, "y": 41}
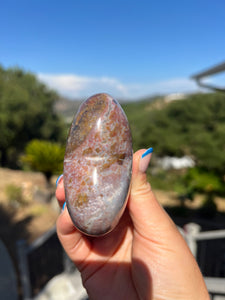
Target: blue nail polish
{"x": 150, "y": 150}
{"x": 60, "y": 176}
{"x": 64, "y": 206}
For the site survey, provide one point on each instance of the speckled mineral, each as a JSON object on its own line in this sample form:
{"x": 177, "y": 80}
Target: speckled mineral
{"x": 98, "y": 165}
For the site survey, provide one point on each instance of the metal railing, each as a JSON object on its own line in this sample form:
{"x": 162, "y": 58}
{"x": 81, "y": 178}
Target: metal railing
{"x": 208, "y": 247}
{"x": 39, "y": 262}
{"x": 45, "y": 258}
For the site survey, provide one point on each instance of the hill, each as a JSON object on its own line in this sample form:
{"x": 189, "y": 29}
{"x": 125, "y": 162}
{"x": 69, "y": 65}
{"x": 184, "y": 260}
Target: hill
{"x": 67, "y": 108}
{"x": 194, "y": 126}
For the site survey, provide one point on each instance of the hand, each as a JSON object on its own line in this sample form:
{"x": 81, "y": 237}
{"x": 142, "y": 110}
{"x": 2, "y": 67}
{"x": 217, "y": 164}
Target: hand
{"x": 144, "y": 257}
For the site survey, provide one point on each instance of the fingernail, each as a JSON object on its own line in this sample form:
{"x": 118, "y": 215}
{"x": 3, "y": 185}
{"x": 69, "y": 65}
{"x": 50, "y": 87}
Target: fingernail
{"x": 147, "y": 152}
{"x": 59, "y": 179}
{"x": 145, "y": 159}
{"x": 64, "y": 204}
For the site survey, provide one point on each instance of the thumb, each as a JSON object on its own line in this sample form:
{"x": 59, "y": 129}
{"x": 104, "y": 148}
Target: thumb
{"x": 149, "y": 218}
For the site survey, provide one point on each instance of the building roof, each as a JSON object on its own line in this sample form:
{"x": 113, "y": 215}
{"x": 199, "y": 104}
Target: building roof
{"x": 208, "y": 72}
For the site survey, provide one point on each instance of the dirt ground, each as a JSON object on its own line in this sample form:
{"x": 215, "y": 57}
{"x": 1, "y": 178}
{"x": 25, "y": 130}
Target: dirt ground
{"x": 38, "y": 210}
{"x": 30, "y": 215}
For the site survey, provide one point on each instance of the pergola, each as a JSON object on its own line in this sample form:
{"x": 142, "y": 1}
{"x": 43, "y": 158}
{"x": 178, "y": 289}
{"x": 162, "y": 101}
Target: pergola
{"x": 211, "y": 71}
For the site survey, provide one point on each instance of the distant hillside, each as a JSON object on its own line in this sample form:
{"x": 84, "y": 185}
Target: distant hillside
{"x": 193, "y": 126}
{"x": 67, "y": 108}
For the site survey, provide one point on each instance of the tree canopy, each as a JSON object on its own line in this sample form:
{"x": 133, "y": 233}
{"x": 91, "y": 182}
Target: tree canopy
{"x": 26, "y": 113}
{"x": 195, "y": 127}
{"x": 43, "y": 156}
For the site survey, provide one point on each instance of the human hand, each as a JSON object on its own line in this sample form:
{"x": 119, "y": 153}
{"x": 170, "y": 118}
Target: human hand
{"x": 144, "y": 257}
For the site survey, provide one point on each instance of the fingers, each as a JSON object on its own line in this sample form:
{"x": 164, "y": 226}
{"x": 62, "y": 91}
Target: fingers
{"x": 76, "y": 245}
{"x": 148, "y": 217}
{"x": 60, "y": 193}
{"x": 158, "y": 243}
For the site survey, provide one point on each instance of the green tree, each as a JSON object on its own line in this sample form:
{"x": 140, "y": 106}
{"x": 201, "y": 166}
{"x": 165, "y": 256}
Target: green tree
{"x": 194, "y": 127}
{"x": 45, "y": 157}
{"x": 26, "y": 112}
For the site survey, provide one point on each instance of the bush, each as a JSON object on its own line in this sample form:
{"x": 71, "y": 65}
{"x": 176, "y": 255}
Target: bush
{"x": 201, "y": 181}
{"x": 45, "y": 157}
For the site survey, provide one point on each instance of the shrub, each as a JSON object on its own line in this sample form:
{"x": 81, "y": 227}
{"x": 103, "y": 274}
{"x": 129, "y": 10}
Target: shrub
{"x": 43, "y": 156}
{"x": 202, "y": 181}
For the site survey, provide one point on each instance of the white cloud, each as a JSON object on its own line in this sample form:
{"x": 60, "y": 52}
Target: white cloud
{"x": 74, "y": 86}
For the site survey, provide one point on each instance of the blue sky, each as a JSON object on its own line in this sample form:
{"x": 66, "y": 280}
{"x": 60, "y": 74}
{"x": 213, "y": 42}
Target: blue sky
{"x": 129, "y": 49}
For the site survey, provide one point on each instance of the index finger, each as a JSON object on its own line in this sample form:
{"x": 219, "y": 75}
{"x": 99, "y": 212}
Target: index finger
{"x": 60, "y": 192}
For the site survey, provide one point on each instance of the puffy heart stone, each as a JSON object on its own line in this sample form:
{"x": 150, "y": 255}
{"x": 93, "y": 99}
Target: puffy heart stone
{"x": 98, "y": 165}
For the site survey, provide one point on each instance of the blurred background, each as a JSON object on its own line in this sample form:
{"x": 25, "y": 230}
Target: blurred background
{"x": 150, "y": 56}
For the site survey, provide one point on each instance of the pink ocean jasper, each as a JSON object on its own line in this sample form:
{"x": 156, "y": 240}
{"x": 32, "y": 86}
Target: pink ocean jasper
{"x": 98, "y": 165}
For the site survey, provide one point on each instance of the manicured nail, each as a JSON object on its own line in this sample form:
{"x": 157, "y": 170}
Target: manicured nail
{"x": 145, "y": 160}
{"x": 59, "y": 179}
{"x": 64, "y": 204}
{"x": 147, "y": 152}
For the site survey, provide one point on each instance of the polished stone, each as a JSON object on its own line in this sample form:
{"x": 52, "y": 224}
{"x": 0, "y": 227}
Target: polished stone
{"x": 98, "y": 165}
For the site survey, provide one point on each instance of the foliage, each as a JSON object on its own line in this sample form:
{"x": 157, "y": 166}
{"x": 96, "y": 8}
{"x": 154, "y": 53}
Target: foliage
{"x": 138, "y": 114}
{"x": 193, "y": 127}
{"x": 197, "y": 180}
{"x": 26, "y": 112}
{"x": 38, "y": 210}
{"x": 43, "y": 156}
{"x": 167, "y": 180}
{"x": 204, "y": 182}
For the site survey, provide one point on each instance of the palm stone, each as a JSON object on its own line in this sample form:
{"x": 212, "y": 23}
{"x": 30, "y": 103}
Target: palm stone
{"x": 98, "y": 165}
